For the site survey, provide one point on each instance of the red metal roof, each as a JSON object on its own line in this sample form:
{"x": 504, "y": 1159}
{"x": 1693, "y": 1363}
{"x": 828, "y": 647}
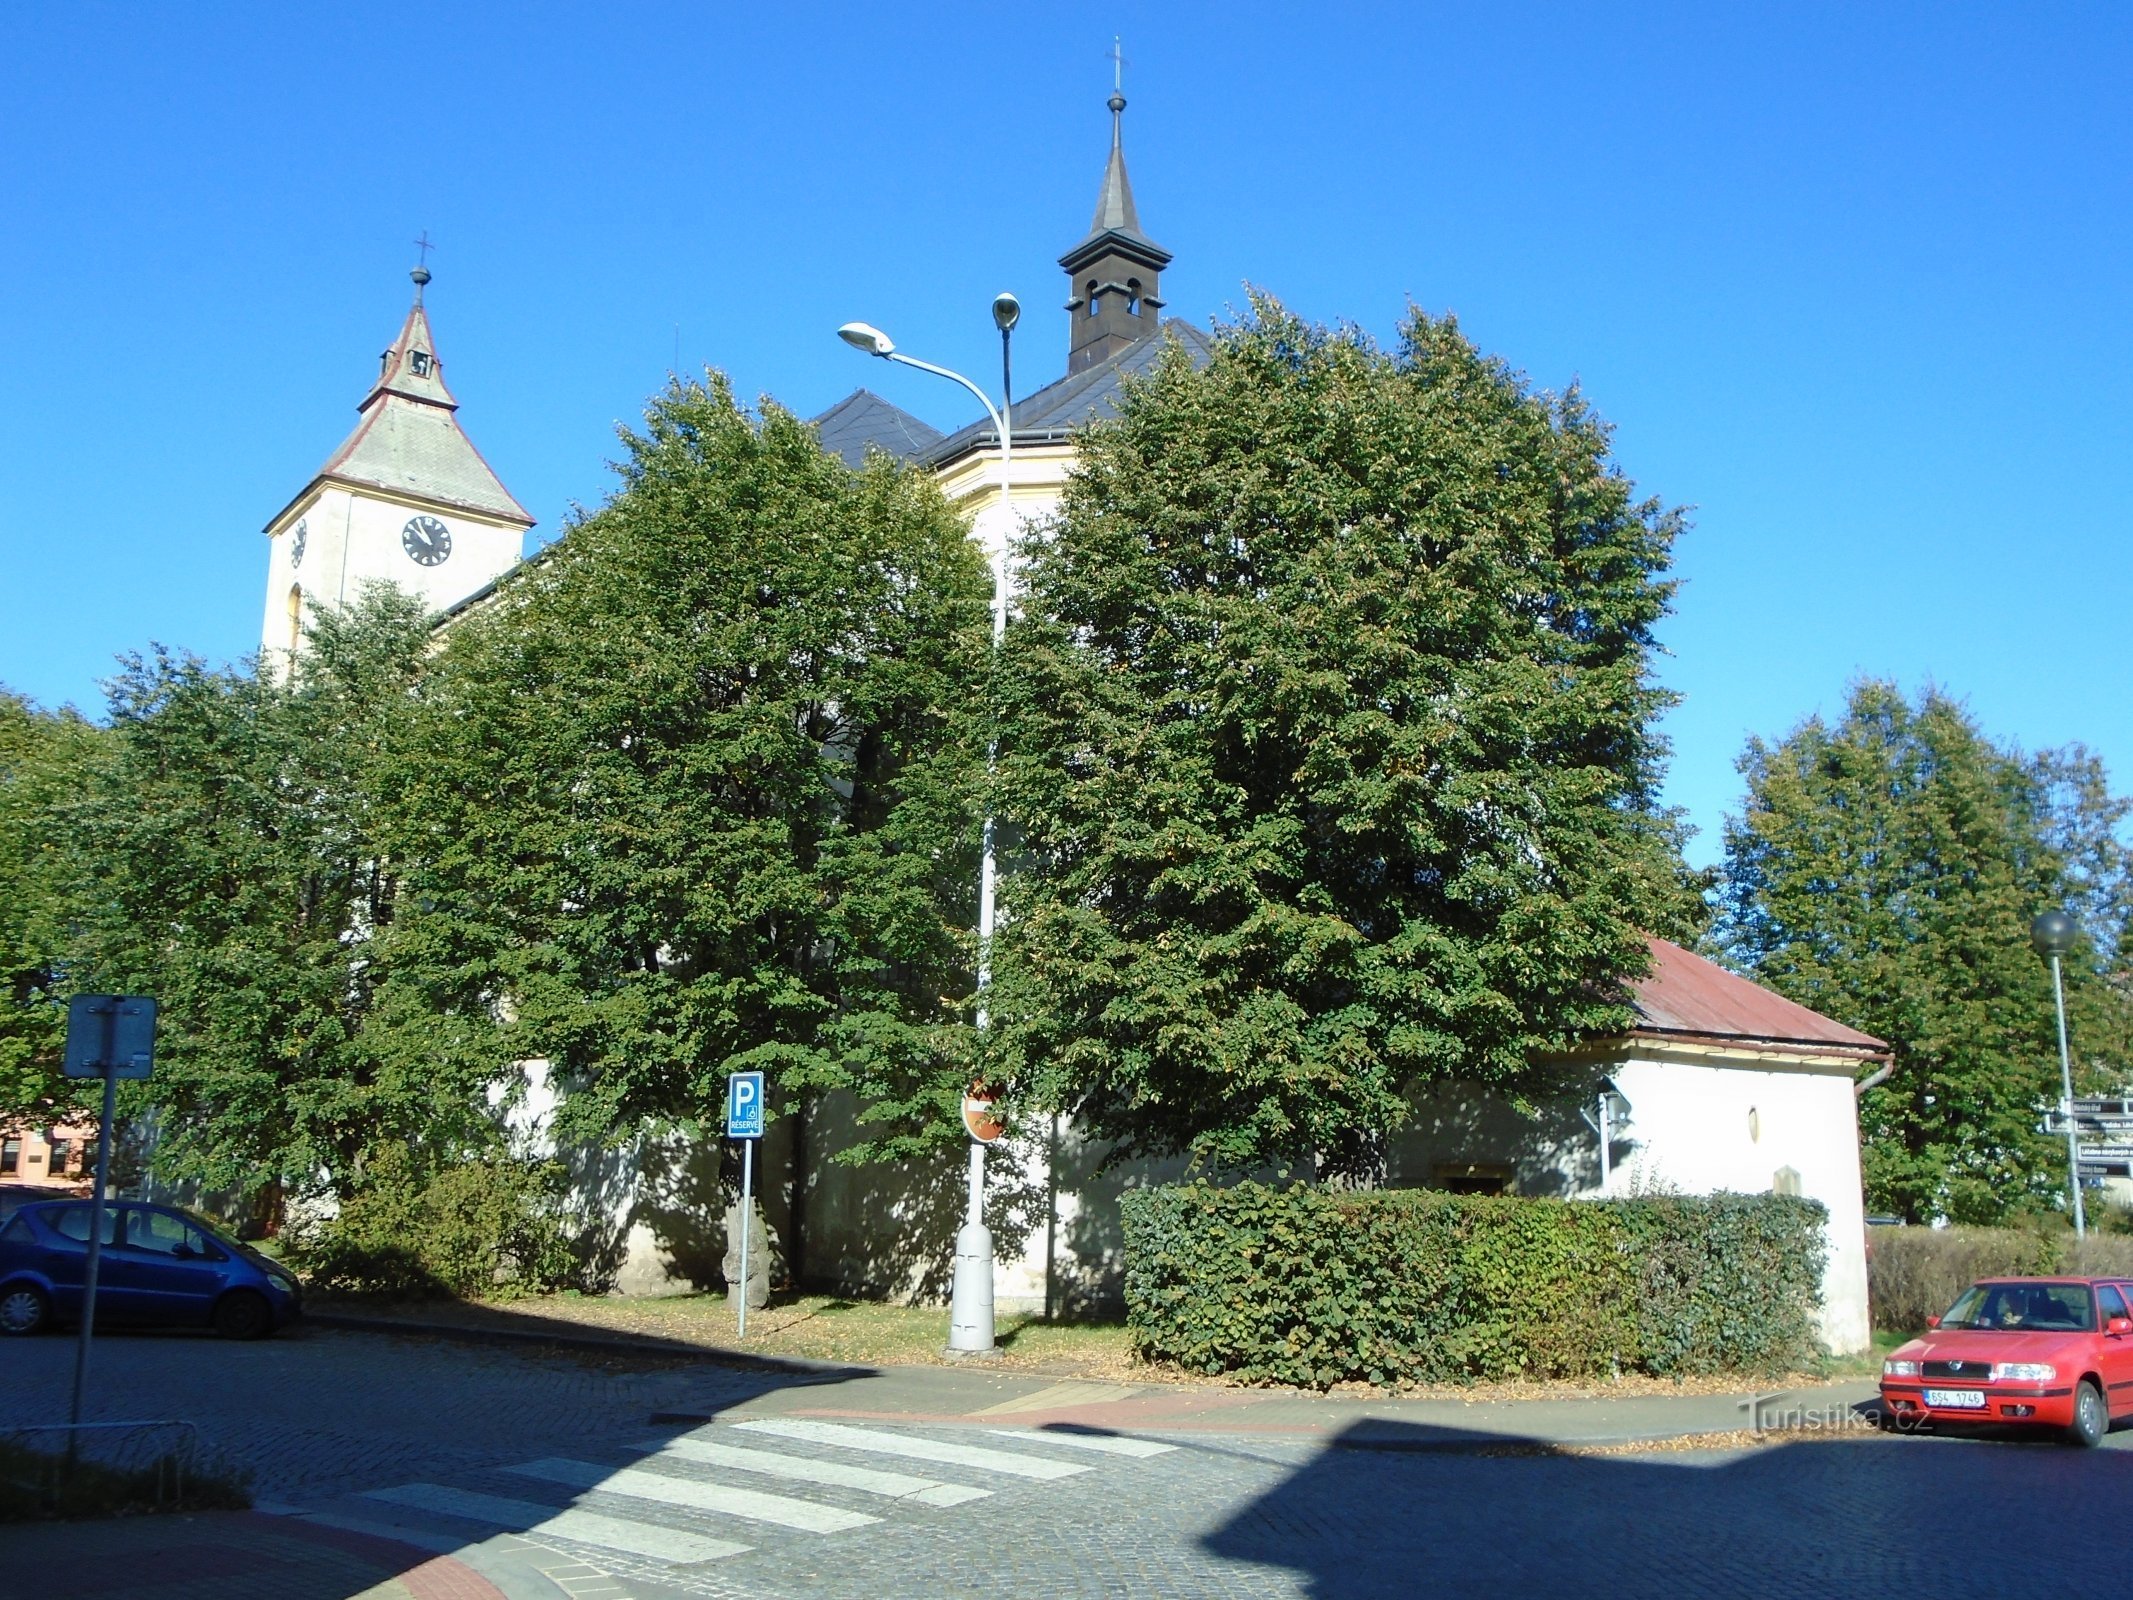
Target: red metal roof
{"x": 1687, "y": 995}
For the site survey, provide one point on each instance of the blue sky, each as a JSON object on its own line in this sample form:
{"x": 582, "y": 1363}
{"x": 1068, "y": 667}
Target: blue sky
{"x": 1851, "y": 281}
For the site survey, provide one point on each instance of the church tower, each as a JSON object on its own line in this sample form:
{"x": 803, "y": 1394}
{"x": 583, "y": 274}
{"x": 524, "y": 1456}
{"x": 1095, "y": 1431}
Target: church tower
{"x": 406, "y": 499}
{"x": 1112, "y": 274}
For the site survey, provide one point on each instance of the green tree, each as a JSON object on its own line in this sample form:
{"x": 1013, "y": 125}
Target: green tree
{"x": 1326, "y": 728}
{"x": 1884, "y": 871}
{"x": 697, "y": 790}
{"x": 43, "y": 756}
{"x": 227, "y": 858}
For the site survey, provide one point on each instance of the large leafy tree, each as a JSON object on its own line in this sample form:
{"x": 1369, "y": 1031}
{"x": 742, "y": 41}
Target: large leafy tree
{"x": 1884, "y": 870}
{"x": 1327, "y": 728}
{"x": 697, "y": 791}
{"x": 227, "y": 858}
{"x": 43, "y": 758}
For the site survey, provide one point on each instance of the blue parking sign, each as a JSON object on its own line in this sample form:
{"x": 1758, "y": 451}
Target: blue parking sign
{"x": 744, "y": 1105}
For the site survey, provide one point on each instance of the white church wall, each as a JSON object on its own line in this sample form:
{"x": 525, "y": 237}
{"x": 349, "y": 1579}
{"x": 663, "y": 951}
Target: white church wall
{"x": 351, "y": 539}
{"x": 649, "y": 1213}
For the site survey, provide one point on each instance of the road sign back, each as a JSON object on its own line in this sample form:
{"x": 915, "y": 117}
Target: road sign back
{"x": 744, "y": 1105}
{"x": 110, "y": 1032}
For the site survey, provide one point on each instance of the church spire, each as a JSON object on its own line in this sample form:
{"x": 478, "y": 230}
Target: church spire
{"x": 1112, "y": 274}
{"x": 409, "y": 367}
{"x": 409, "y": 442}
{"x": 1115, "y": 210}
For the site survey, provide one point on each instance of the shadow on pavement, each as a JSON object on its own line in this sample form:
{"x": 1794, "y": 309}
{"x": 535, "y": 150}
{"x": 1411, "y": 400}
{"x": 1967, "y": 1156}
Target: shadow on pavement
{"x": 1394, "y": 1509}
{"x": 514, "y": 1328}
{"x": 383, "y": 1463}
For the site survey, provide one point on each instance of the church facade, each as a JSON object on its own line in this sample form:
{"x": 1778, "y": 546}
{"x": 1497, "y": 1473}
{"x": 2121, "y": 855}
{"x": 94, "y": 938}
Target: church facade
{"x": 1750, "y": 1094}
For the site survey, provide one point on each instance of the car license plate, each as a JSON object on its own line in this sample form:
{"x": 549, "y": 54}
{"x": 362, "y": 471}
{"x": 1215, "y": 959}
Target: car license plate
{"x": 1956, "y": 1399}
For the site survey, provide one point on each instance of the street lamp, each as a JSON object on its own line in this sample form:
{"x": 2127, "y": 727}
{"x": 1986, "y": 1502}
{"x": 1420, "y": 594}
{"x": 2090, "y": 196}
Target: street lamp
{"x": 970, "y": 1305}
{"x": 2052, "y": 935}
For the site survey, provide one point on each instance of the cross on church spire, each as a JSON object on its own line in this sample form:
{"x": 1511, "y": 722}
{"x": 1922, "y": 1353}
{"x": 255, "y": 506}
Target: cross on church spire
{"x": 1117, "y": 103}
{"x": 421, "y": 274}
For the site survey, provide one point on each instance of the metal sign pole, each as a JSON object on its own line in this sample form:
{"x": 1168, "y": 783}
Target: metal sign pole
{"x": 109, "y": 1036}
{"x": 747, "y": 1206}
{"x": 97, "y": 1213}
{"x": 744, "y": 1121}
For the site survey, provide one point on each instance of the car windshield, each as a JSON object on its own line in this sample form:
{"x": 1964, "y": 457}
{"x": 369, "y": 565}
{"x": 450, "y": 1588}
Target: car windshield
{"x": 2025, "y": 1307}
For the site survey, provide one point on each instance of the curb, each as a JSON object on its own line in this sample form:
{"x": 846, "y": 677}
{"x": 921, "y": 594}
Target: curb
{"x": 605, "y": 1344}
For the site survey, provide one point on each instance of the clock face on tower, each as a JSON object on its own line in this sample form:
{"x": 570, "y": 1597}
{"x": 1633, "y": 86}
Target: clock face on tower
{"x": 296, "y": 544}
{"x": 427, "y": 540}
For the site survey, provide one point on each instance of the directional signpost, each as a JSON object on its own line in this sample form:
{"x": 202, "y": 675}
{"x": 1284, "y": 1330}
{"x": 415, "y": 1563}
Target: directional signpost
{"x": 2102, "y": 1134}
{"x": 109, "y": 1036}
{"x": 744, "y": 1121}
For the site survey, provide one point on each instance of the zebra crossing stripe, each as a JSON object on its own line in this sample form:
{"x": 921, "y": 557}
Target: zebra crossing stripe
{"x": 917, "y": 1449}
{"x": 1109, "y": 1444}
{"x": 584, "y": 1527}
{"x": 696, "y": 1495}
{"x": 806, "y": 1469}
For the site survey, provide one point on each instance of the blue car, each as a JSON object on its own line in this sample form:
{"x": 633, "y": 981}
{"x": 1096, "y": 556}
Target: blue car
{"x": 158, "y": 1265}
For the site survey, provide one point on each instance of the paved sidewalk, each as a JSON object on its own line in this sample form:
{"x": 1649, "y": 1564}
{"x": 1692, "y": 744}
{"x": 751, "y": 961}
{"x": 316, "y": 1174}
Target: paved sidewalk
{"x": 962, "y": 1396}
{"x": 980, "y": 1395}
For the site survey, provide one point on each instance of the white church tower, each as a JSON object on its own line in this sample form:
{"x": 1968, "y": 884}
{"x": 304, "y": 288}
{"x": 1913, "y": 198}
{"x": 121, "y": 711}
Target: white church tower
{"x": 407, "y": 499}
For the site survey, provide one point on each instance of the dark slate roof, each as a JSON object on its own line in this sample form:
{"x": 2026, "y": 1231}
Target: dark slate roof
{"x": 863, "y": 421}
{"x": 1056, "y": 410}
{"x": 1687, "y": 997}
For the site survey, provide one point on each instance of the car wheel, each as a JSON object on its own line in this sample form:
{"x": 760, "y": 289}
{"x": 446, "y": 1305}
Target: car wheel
{"x": 2092, "y": 1419}
{"x": 24, "y": 1309}
{"x": 241, "y": 1314}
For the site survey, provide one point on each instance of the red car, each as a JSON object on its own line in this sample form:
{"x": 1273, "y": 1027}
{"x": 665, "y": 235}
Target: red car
{"x": 2036, "y": 1352}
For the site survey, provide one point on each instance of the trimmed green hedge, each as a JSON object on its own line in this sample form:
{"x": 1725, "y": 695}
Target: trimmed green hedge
{"x": 1916, "y": 1273}
{"x": 1311, "y": 1287}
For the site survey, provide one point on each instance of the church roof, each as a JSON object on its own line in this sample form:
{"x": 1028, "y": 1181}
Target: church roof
{"x": 1056, "y": 410}
{"x": 863, "y": 421}
{"x": 1688, "y": 998}
{"x": 409, "y": 441}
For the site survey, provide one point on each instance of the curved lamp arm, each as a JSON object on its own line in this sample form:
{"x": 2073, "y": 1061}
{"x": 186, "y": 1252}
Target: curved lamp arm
{"x": 944, "y": 372}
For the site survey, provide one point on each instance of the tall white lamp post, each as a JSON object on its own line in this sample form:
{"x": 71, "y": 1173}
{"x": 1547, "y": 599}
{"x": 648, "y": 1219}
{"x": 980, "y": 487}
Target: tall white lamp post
{"x": 970, "y": 1307}
{"x": 2052, "y": 935}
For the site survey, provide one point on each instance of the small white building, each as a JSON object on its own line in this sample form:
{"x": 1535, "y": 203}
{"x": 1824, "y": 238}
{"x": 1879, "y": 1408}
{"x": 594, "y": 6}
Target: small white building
{"x": 1721, "y": 1086}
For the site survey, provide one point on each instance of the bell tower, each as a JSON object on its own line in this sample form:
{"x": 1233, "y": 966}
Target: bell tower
{"x": 406, "y": 499}
{"x": 1112, "y": 275}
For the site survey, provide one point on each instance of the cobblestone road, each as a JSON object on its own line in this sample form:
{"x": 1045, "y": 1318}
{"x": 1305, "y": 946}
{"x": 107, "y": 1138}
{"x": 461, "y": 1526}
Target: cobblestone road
{"x": 532, "y": 1463}
{"x": 323, "y": 1412}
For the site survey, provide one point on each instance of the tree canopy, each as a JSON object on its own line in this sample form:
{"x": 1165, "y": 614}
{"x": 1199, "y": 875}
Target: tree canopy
{"x": 1884, "y": 871}
{"x": 43, "y": 756}
{"x": 699, "y": 789}
{"x": 229, "y": 856}
{"x": 1326, "y": 728}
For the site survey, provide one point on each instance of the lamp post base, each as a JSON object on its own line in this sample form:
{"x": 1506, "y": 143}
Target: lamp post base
{"x": 970, "y": 1310}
